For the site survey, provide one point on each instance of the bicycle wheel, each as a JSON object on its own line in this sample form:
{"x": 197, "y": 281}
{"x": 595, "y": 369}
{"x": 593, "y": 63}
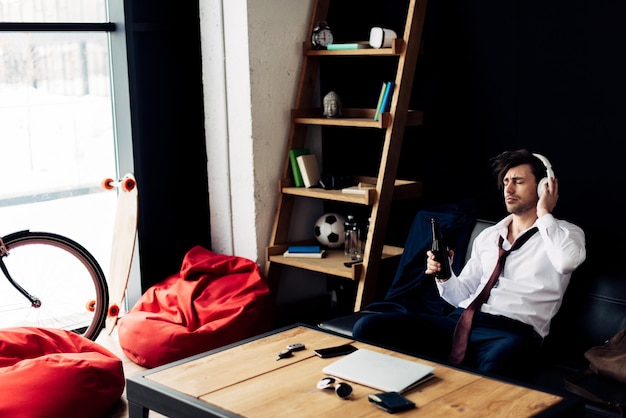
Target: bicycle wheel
{"x": 62, "y": 274}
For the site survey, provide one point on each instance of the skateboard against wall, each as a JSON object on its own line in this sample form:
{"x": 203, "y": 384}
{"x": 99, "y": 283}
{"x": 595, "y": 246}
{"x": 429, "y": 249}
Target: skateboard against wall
{"x": 123, "y": 244}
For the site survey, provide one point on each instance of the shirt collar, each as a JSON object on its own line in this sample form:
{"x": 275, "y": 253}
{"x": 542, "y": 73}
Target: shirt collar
{"x": 503, "y": 230}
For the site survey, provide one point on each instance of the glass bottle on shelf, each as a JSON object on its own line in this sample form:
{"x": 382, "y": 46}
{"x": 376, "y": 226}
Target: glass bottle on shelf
{"x": 352, "y": 245}
{"x": 363, "y": 231}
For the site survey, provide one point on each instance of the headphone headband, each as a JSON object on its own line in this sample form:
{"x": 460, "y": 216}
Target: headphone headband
{"x": 547, "y": 164}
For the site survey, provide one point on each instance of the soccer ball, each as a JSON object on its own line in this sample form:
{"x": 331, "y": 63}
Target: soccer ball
{"x": 329, "y": 230}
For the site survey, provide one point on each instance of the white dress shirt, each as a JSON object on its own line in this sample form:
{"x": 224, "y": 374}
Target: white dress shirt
{"x": 531, "y": 286}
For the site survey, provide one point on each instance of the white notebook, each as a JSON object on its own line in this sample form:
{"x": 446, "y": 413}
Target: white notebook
{"x": 380, "y": 371}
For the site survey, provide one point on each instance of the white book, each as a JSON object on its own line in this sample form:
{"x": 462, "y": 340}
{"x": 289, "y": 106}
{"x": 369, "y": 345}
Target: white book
{"x": 361, "y": 188}
{"x": 380, "y": 371}
{"x": 309, "y": 169}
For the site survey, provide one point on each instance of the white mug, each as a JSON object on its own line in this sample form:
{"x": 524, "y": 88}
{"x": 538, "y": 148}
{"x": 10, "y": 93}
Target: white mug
{"x": 381, "y": 38}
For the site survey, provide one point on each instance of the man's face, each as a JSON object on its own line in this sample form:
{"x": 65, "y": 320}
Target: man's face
{"x": 520, "y": 190}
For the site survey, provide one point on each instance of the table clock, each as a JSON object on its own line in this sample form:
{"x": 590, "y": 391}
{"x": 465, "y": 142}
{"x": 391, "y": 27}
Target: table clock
{"x": 321, "y": 36}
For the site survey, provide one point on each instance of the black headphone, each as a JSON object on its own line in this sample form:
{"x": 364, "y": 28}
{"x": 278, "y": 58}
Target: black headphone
{"x": 549, "y": 172}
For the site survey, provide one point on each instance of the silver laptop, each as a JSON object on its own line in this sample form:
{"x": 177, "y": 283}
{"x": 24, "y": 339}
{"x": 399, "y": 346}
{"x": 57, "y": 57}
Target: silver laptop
{"x": 380, "y": 371}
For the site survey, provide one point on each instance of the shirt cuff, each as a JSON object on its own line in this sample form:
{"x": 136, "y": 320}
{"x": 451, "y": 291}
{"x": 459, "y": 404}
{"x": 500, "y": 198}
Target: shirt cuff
{"x": 546, "y": 221}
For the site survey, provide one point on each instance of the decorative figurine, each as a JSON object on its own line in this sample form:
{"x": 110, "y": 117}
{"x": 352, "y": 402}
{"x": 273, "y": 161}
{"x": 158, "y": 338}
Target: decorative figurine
{"x": 332, "y": 105}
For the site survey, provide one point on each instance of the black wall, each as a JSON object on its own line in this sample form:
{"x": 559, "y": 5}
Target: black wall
{"x": 495, "y": 75}
{"x": 548, "y": 76}
{"x": 167, "y": 116}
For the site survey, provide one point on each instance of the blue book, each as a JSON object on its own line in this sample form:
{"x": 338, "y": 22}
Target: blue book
{"x": 386, "y": 104}
{"x": 304, "y": 249}
{"x": 348, "y": 46}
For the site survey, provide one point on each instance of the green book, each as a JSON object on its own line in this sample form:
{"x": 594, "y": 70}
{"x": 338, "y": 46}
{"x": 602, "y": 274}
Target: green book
{"x": 297, "y": 175}
{"x": 380, "y": 101}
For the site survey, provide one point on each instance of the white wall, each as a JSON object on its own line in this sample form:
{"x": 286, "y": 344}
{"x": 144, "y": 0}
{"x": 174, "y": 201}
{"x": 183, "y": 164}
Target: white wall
{"x": 251, "y": 61}
{"x": 251, "y": 58}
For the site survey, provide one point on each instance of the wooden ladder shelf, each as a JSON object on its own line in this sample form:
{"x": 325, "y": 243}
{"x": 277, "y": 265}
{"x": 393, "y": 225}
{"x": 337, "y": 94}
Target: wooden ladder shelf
{"x": 388, "y": 188}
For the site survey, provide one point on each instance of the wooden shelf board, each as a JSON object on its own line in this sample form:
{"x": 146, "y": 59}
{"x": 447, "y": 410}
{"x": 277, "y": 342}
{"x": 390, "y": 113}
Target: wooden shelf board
{"x": 331, "y": 264}
{"x": 403, "y": 189}
{"x": 395, "y": 50}
{"x": 407, "y": 189}
{"x": 351, "y": 117}
{"x": 415, "y": 118}
{"x": 334, "y": 195}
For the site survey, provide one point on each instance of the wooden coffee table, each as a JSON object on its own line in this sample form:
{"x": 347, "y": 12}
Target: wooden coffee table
{"x": 245, "y": 379}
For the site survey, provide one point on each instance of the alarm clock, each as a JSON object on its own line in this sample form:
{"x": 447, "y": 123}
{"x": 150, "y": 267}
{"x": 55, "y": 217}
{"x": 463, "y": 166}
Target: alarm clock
{"x": 321, "y": 36}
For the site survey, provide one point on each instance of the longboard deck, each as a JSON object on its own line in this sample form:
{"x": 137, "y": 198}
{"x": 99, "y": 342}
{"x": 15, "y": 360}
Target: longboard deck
{"x": 122, "y": 247}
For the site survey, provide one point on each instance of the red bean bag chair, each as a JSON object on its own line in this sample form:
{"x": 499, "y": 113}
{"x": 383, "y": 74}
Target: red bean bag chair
{"x": 215, "y": 300}
{"x": 55, "y": 373}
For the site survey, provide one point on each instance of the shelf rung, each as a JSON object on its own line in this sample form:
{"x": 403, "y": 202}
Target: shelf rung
{"x": 356, "y": 118}
{"x": 403, "y": 189}
{"x": 396, "y": 49}
{"x": 331, "y": 264}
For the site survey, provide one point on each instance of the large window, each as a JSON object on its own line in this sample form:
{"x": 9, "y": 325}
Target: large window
{"x": 59, "y": 120}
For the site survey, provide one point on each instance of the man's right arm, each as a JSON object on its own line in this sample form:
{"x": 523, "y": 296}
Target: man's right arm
{"x": 461, "y": 287}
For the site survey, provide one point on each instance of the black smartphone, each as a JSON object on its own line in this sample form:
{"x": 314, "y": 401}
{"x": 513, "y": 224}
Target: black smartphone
{"x": 339, "y": 350}
{"x": 391, "y": 402}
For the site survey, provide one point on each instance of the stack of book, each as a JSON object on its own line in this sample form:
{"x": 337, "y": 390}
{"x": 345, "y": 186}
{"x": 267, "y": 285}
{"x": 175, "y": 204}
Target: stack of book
{"x": 293, "y": 159}
{"x": 306, "y": 172}
{"x": 361, "y": 188}
{"x": 384, "y": 99}
{"x": 304, "y": 251}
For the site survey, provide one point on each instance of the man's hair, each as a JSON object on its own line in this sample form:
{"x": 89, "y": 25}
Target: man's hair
{"x": 502, "y": 163}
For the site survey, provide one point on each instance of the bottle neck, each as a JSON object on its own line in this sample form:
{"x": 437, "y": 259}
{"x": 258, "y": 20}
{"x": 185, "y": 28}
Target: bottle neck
{"x": 435, "y": 229}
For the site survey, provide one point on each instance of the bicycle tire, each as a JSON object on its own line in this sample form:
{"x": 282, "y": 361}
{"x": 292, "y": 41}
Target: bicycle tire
{"x": 63, "y": 275}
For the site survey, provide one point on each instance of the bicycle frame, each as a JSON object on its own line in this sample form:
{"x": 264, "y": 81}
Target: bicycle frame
{"x": 4, "y": 252}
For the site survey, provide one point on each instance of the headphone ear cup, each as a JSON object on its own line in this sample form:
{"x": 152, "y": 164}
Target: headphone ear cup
{"x": 550, "y": 174}
{"x": 541, "y": 186}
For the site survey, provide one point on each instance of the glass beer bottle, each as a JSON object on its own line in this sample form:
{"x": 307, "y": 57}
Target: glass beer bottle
{"x": 440, "y": 250}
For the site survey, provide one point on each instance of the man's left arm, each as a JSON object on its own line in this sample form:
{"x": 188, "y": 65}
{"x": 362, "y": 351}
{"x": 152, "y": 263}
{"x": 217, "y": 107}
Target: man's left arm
{"x": 564, "y": 241}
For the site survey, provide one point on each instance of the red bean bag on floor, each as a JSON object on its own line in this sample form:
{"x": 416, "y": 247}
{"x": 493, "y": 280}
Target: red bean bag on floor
{"x": 54, "y": 373}
{"x": 215, "y": 300}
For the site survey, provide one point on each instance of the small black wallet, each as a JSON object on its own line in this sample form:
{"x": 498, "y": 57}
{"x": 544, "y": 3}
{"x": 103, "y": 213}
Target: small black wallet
{"x": 391, "y": 402}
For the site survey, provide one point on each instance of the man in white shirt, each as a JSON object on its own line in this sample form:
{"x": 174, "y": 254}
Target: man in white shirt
{"x": 510, "y": 325}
